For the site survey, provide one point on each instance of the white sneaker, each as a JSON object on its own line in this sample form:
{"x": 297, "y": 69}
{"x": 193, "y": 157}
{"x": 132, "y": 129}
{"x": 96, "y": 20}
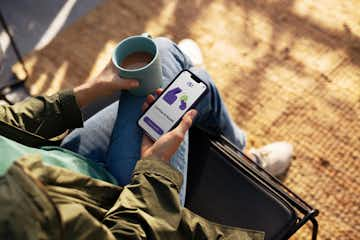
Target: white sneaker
{"x": 191, "y": 49}
{"x": 274, "y": 157}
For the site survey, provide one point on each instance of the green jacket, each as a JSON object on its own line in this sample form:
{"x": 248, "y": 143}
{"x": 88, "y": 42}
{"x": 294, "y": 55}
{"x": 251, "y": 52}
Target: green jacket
{"x": 39, "y": 201}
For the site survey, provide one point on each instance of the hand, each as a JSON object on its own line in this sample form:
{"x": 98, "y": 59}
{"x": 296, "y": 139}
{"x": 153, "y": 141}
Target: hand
{"x": 109, "y": 81}
{"x": 165, "y": 147}
{"x": 106, "y": 83}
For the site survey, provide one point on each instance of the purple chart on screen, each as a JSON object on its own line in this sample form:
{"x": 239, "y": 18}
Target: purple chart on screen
{"x": 170, "y": 97}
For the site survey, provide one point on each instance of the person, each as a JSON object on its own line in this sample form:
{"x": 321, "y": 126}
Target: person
{"x": 92, "y": 186}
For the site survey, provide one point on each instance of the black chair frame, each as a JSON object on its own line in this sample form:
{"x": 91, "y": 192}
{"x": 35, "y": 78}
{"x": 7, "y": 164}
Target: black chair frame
{"x": 303, "y": 212}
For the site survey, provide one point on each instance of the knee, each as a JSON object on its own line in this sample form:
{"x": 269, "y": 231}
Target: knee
{"x": 169, "y": 51}
{"x": 204, "y": 76}
{"x": 165, "y": 44}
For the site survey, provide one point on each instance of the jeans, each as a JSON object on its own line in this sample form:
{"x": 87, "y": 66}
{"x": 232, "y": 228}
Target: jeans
{"x": 112, "y": 138}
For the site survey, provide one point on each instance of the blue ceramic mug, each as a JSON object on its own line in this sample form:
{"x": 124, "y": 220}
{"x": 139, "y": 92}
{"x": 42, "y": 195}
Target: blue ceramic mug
{"x": 150, "y": 75}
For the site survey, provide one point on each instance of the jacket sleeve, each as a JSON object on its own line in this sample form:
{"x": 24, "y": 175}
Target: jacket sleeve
{"x": 44, "y": 116}
{"x": 149, "y": 207}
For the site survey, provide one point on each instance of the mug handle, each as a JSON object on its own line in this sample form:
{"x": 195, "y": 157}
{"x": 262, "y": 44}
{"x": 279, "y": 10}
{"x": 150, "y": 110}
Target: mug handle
{"x": 145, "y": 34}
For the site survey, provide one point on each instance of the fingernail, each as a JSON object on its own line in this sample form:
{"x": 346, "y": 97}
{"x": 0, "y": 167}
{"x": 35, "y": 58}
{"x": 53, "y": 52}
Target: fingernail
{"x": 193, "y": 113}
{"x": 135, "y": 83}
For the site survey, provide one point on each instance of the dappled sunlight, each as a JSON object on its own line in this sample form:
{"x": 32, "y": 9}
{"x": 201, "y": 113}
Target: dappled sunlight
{"x": 30, "y": 64}
{"x": 158, "y": 24}
{"x": 82, "y": 43}
{"x": 39, "y": 84}
{"x": 287, "y": 70}
{"x": 56, "y": 24}
{"x": 102, "y": 59}
{"x": 347, "y": 85}
{"x": 59, "y": 78}
{"x": 330, "y": 14}
{"x": 316, "y": 56}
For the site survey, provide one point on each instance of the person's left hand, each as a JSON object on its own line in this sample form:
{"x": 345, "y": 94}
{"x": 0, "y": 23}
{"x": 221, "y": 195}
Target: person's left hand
{"x": 109, "y": 82}
{"x": 106, "y": 83}
{"x": 165, "y": 147}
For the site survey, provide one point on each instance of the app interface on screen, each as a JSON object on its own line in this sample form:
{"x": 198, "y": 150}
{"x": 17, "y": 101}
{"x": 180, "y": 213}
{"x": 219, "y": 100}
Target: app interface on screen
{"x": 172, "y": 104}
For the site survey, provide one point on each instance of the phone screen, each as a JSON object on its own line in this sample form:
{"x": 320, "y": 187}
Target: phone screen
{"x": 171, "y": 105}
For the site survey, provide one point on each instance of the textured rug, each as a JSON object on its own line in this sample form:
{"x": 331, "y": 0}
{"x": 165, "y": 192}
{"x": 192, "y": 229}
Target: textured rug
{"x": 287, "y": 70}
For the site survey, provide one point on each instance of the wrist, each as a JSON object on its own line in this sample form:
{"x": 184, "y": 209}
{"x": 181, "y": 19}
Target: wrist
{"x": 85, "y": 94}
{"x": 157, "y": 157}
{"x": 103, "y": 88}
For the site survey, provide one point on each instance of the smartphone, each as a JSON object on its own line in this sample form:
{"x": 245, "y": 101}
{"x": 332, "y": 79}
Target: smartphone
{"x": 167, "y": 110}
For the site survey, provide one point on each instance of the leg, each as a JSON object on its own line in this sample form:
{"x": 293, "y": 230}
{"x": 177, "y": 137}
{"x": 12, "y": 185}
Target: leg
{"x": 213, "y": 116}
{"x": 92, "y": 141}
{"x": 121, "y": 157}
{"x": 180, "y": 162}
{"x": 124, "y": 149}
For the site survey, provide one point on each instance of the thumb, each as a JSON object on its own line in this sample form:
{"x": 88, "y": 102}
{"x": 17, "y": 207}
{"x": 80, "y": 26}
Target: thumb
{"x": 186, "y": 122}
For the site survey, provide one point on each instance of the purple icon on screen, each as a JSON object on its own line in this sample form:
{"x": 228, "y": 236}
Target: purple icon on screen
{"x": 153, "y": 125}
{"x": 183, "y": 100}
{"x": 182, "y": 105}
{"x": 170, "y": 97}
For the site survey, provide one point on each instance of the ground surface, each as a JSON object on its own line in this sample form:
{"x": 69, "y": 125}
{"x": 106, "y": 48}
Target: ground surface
{"x": 287, "y": 70}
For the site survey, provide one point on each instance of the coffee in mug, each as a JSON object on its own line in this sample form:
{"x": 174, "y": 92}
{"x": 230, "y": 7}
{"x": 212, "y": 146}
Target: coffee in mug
{"x": 137, "y": 57}
{"x": 136, "y": 60}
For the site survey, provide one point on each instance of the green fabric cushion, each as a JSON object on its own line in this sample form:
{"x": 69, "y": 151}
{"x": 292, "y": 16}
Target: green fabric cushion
{"x": 10, "y": 151}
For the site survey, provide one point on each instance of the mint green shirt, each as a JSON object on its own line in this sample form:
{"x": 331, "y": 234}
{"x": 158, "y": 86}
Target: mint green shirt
{"x": 11, "y": 151}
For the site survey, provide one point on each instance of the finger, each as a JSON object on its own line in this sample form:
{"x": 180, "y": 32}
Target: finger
{"x": 144, "y": 106}
{"x": 110, "y": 65}
{"x": 191, "y": 114}
{"x": 159, "y": 91}
{"x": 150, "y": 99}
{"x": 112, "y": 68}
{"x": 186, "y": 122}
{"x": 125, "y": 83}
{"x": 146, "y": 143}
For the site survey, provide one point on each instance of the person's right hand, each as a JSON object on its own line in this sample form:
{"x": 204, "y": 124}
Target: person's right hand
{"x": 165, "y": 147}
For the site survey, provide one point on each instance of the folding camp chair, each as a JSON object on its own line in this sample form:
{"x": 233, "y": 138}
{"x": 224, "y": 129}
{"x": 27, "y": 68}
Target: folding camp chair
{"x": 226, "y": 187}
